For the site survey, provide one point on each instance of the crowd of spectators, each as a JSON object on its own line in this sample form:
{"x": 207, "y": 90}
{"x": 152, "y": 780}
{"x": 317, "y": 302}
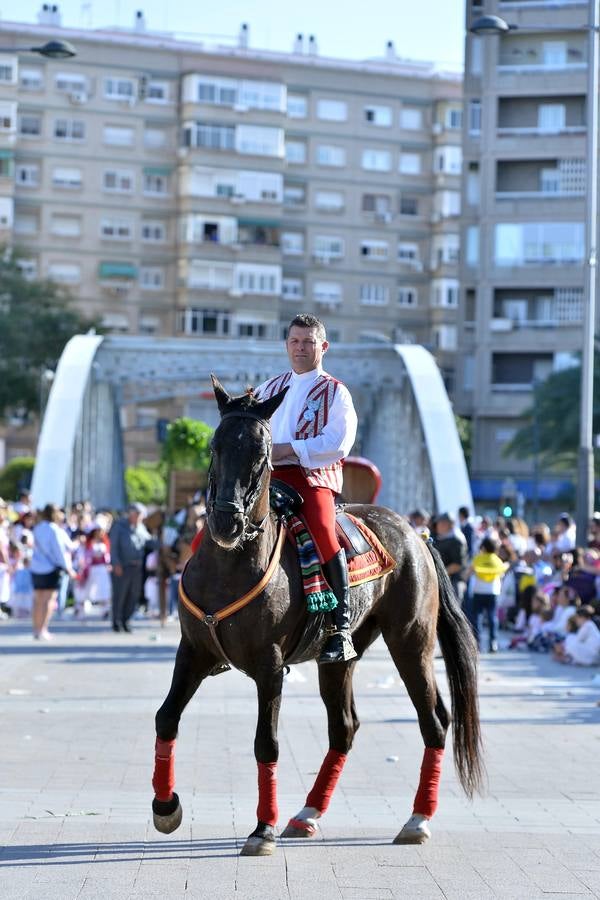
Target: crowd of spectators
{"x": 89, "y": 563}
{"x": 533, "y": 583}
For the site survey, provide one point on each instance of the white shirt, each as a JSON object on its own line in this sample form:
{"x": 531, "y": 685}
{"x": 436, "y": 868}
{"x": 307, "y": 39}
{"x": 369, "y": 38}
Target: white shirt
{"x": 335, "y": 441}
{"x": 584, "y": 646}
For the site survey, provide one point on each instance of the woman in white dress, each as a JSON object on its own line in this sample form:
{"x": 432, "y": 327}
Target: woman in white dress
{"x": 97, "y": 589}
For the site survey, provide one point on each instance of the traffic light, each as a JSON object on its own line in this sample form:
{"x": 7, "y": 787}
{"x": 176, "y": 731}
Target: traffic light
{"x": 507, "y": 511}
{"x": 506, "y": 507}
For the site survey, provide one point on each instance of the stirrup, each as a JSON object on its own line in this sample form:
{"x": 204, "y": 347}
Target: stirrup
{"x": 341, "y": 651}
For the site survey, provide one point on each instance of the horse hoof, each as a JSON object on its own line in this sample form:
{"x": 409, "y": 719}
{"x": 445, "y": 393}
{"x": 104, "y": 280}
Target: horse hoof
{"x": 300, "y": 828}
{"x": 257, "y": 846}
{"x": 165, "y": 821}
{"x": 416, "y": 831}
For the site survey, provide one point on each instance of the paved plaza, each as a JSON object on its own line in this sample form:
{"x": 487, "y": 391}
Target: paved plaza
{"x": 77, "y": 756}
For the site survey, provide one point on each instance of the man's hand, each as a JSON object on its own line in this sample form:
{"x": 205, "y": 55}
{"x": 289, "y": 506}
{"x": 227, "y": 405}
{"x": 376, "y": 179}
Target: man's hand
{"x": 282, "y": 452}
{"x": 118, "y": 570}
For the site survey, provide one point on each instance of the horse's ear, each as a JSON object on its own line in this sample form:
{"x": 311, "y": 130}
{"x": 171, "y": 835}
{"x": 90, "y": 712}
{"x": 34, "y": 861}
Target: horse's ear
{"x": 268, "y": 407}
{"x": 221, "y": 394}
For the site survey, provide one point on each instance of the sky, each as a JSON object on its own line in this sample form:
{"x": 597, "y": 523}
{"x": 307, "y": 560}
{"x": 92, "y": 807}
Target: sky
{"x": 349, "y": 29}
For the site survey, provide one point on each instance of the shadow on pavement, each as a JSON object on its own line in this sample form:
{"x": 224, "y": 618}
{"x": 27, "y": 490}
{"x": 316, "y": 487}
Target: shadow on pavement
{"x": 111, "y": 852}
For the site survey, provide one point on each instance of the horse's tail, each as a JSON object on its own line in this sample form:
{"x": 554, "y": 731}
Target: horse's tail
{"x": 459, "y": 650}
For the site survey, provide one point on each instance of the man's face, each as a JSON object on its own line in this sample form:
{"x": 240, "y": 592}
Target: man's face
{"x": 305, "y": 349}
{"x": 134, "y": 516}
{"x": 443, "y": 527}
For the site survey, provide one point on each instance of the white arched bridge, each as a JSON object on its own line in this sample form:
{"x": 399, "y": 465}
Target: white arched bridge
{"x": 406, "y": 424}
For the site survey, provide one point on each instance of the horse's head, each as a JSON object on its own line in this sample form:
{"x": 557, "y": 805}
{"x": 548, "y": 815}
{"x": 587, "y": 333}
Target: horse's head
{"x": 241, "y": 462}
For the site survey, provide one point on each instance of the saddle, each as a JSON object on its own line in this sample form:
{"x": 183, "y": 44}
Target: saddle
{"x": 367, "y": 558}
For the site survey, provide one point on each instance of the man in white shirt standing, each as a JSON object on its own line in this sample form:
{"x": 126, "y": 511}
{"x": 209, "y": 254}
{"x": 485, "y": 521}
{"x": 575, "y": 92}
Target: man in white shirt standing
{"x": 313, "y": 431}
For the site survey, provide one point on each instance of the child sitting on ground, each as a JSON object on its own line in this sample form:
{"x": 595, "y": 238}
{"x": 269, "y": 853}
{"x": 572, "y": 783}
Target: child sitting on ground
{"x": 582, "y": 648}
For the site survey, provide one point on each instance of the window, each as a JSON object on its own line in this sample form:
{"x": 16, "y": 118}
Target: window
{"x": 292, "y": 243}
{"x": 408, "y": 253}
{"x": 551, "y": 117}
{"x": 28, "y": 268}
{"x": 332, "y": 110}
{"x": 203, "y": 321}
{"x": 119, "y": 88}
{"x": 64, "y": 225}
{"x": 376, "y": 160}
{"x": 26, "y": 223}
{"x": 154, "y": 231}
{"x": 445, "y": 250}
{"x": 447, "y": 160}
{"x": 118, "y": 181}
{"x": 329, "y": 155}
{"x": 520, "y": 368}
{"x": 69, "y": 130}
{"x": 118, "y": 136}
{"x": 258, "y": 279}
{"x": 215, "y": 137}
{"x": 380, "y": 204}
{"x": 444, "y": 292}
{"x": 210, "y": 276}
{"x": 30, "y": 125}
{"x": 292, "y": 289}
{"x": 63, "y": 177}
{"x": 445, "y": 337}
{"x": 7, "y": 166}
{"x": 221, "y": 92}
{"x": 295, "y": 151}
{"x": 476, "y": 59}
{"x": 474, "y": 120}
{"x": 407, "y": 296}
{"x": 329, "y": 201}
{"x": 539, "y": 243}
{"x": 157, "y": 92}
{"x": 473, "y": 184}
{"x": 297, "y": 106}
{"x": 31, "y": 79}
{"x": 65, "y": 273}
{"x": 554, "y": 54}
{"x": 447, "y": 203}
{"x": 454, "y": 119}
{"x": 253, "y": 329}
{"x": 259, "y": 140}
{"x": 152, "y": 278}
{"x": 374, "y": 294}
{"x": 243, "y": 94}
{"x": 8, "y": 71}
{"x": 409, "y": 206}
{"x": 410, "y": 164}
{"x": 378, "y": 115}
{"x": 155, "y": 138}
{"x": 27, "y": 175}
{"x": 327, "y": 292}
{"x": 328, "y": 247}
{"x": 377, "y": 251}
{"x": 294, "y": 195}
{"x": 116, "y": 229}
{"x": 155, "y": 184}
{"x": 7, "y": 116}
{"x": 150, "y": 325}
{"x": 70, "y": 82}
{"x": 411, "y": 118}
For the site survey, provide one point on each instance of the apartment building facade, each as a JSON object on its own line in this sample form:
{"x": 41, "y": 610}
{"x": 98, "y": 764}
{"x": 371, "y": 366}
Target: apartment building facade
{"x": 522, "y": 272}
{"x": 179, "y": 189}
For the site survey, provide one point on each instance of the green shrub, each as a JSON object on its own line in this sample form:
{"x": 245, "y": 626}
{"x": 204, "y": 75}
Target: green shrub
{"x": 15, "y": 476}
{"x": 187, "y": 445}
{"x": 145, "y": 483}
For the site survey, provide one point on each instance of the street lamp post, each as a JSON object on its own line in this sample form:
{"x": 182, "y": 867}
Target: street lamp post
{"x": 51, "y": 49}
{"x": 489, "y": 25}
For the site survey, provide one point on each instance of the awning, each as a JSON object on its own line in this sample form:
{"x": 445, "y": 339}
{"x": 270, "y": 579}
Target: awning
{"x": 117, "y": 270}
{"x": 7, "y": 154}
{"x": 259, "y": 223}
{"x": 158, "y": 170}
{"x": 547, "y": 488}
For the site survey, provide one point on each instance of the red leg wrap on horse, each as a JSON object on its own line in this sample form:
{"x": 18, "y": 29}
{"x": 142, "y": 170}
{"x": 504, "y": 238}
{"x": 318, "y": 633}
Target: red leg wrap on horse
{"x": 267, "y": 811}
{"x": 426, "y": 800}
{"x": 197, "y": 540}
{"x": 327, "y": 779}
{"x": 163, "y": 780}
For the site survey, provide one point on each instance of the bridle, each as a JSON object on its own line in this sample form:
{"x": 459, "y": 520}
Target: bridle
{"x": 250, "y": 530}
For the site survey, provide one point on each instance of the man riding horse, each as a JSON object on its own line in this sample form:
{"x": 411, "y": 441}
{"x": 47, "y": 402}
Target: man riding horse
{"x": 313, "y": 430}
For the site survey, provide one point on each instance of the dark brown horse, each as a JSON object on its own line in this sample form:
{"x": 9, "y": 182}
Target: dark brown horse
{"x": 411, "y": 607}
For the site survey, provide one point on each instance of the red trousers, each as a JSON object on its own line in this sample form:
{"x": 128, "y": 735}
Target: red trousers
{"x": 318, "y": 510}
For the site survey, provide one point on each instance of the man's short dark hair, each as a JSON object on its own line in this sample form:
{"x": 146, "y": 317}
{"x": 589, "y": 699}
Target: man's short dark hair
{"x": 306, "y": 320}
{"x": 464, "y": 511}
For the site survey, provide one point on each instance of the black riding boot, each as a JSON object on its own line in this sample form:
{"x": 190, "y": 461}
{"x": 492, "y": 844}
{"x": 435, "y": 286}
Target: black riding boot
{"x": 338, "y": 647}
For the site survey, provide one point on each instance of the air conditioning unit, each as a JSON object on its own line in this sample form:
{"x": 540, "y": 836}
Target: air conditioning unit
{"x": 384, "y": 217}
{"x": 322, "y": 259}
{"x": 235, "y": 292}
{"x": 78, "y": 97}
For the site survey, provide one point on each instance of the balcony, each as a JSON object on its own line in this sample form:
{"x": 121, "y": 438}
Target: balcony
{"x": 540, "y": 179}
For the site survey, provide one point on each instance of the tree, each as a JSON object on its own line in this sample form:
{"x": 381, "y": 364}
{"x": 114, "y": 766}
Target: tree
{"x": 551, "y": 429}
{"x": 464, "y": 428}
{"x": 16, "y": 475}
{"x": 187, "y": 445}
{"x": 37, "y": 318}
{"x": 146, "y": 483}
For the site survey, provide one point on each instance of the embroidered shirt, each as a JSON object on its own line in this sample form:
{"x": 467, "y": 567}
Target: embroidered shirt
{"x": 338, "y": 434}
